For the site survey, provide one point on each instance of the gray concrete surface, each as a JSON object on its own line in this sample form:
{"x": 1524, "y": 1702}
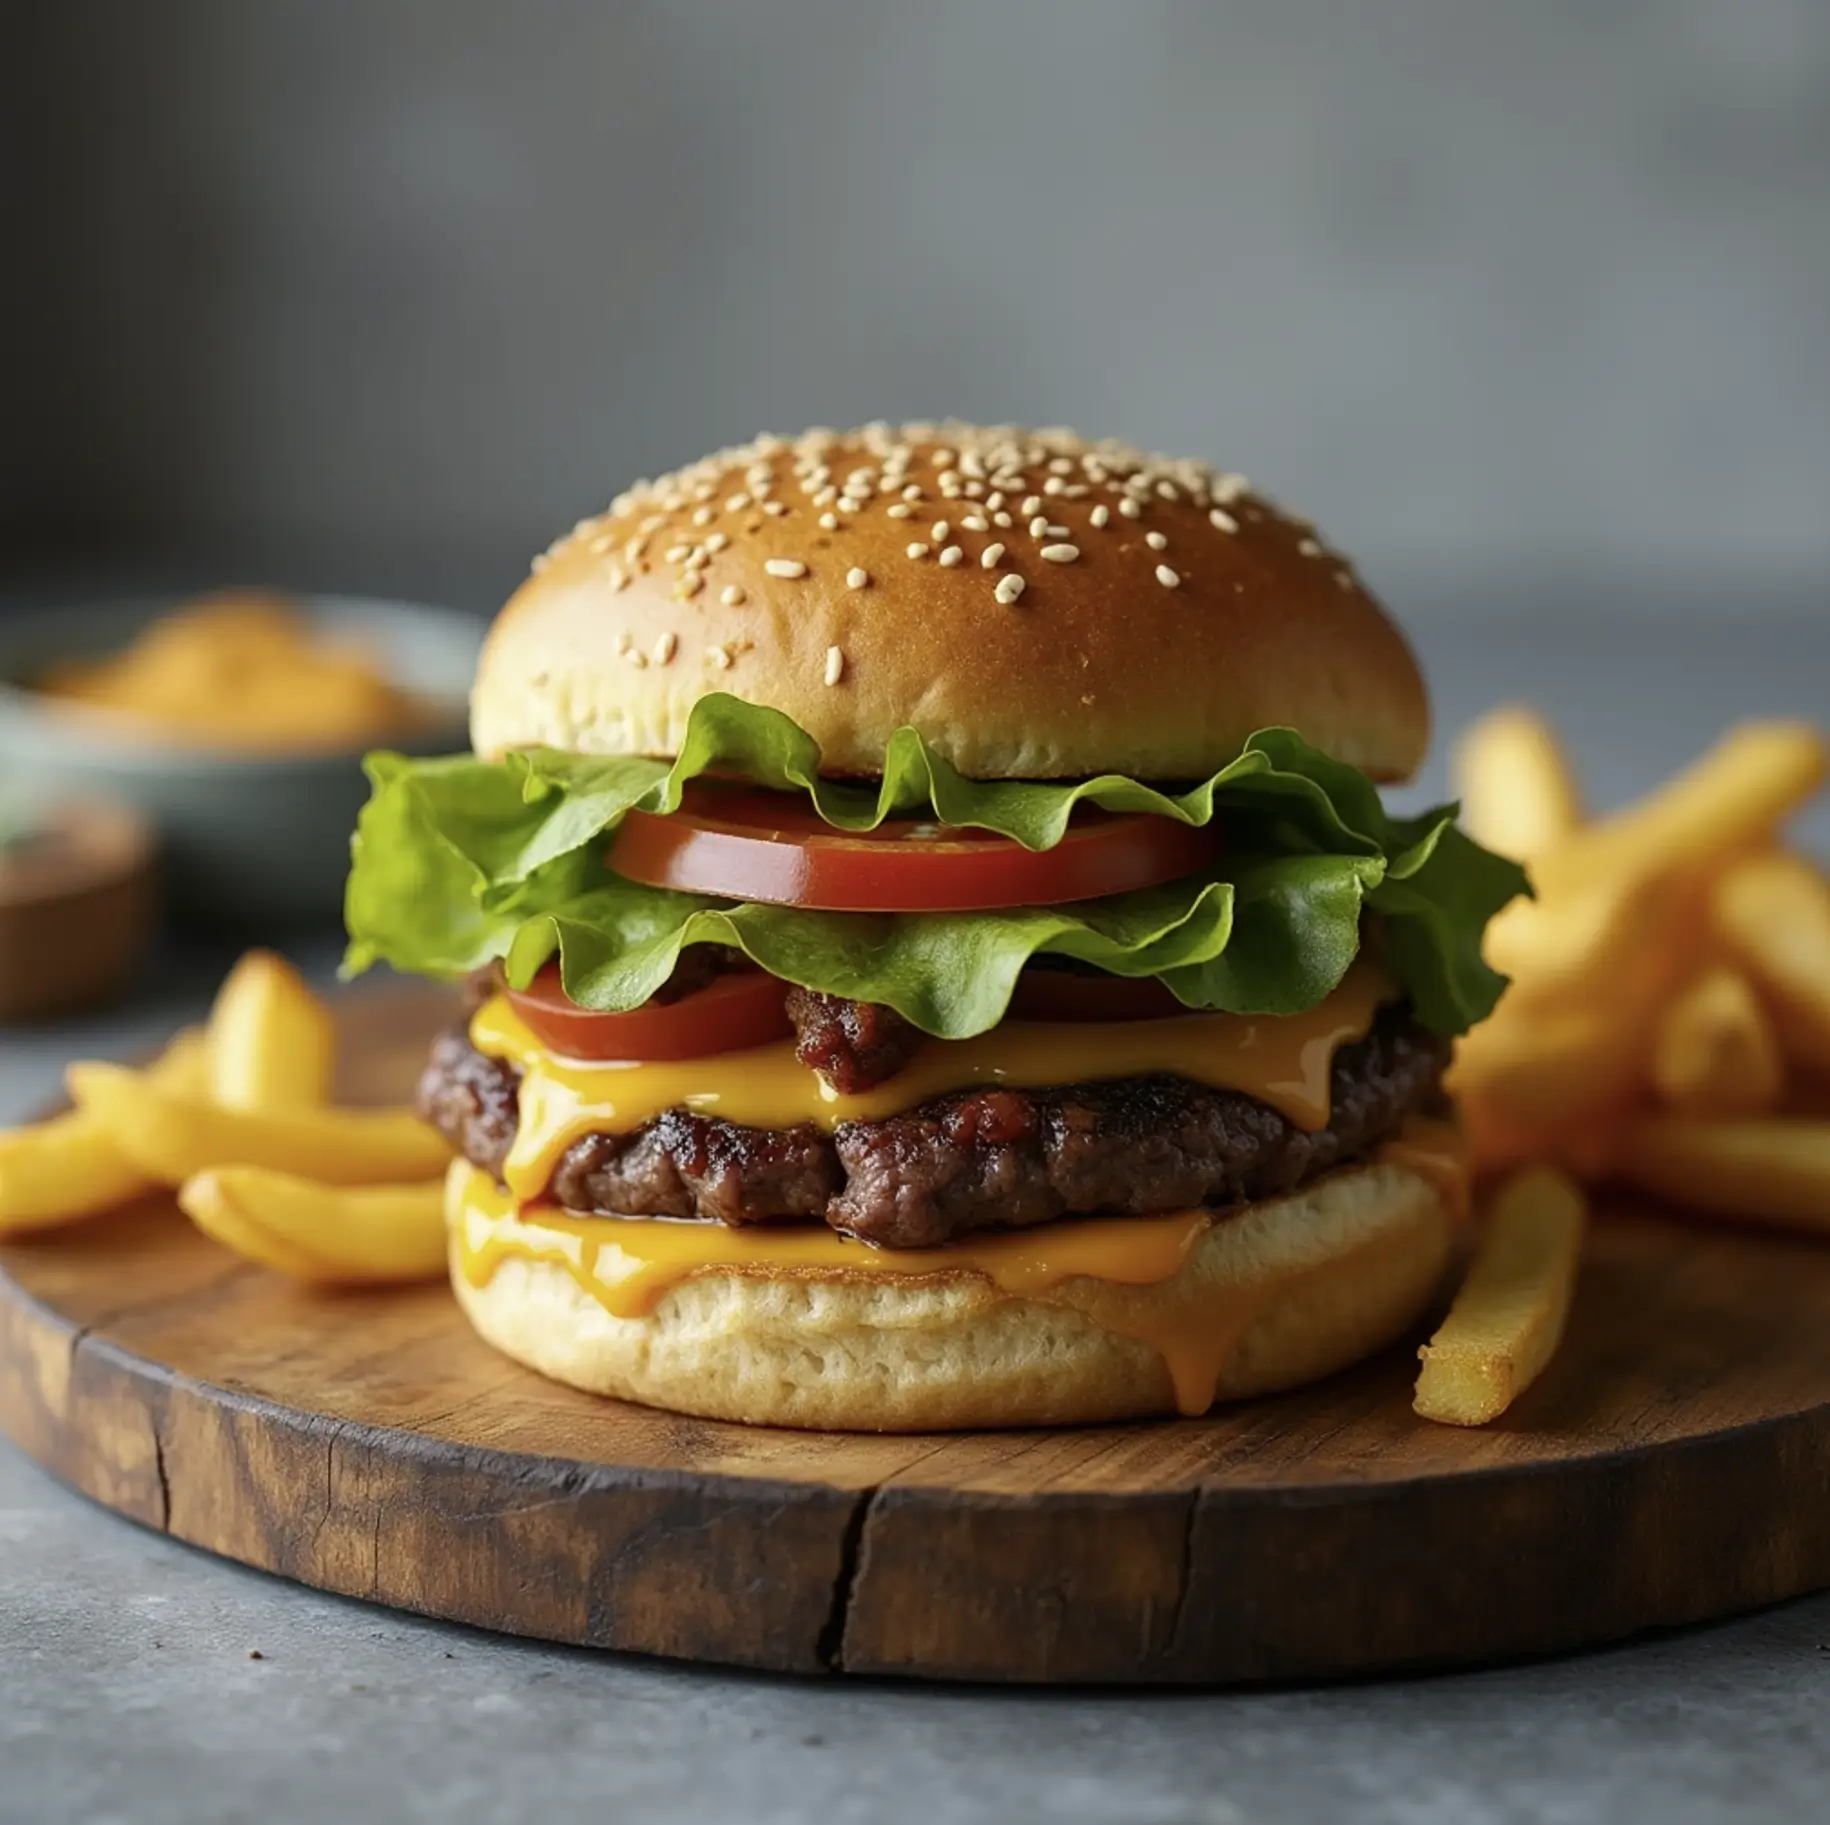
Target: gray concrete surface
{"x": 128, "y": 1691}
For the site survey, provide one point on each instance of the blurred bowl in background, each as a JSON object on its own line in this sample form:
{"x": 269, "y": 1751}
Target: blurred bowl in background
{"x": 248, "y": 838}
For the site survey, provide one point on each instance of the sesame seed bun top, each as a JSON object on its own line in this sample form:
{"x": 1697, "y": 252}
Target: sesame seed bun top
{"x": 1037, "y": 605}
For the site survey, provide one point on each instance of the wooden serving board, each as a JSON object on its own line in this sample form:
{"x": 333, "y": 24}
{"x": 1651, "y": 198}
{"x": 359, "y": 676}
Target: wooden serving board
{"x": 1673, "y": 1465}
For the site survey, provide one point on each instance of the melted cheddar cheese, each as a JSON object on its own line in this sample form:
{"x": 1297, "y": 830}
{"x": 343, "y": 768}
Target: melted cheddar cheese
{"x": 1283, "y": 1060}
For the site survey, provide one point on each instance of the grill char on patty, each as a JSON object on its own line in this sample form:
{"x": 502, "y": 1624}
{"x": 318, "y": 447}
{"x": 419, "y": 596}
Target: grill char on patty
{"x": 968, "y": 1161}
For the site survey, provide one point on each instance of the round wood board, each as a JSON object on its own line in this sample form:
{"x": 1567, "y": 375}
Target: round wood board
{"x": 1673, "y": 1464}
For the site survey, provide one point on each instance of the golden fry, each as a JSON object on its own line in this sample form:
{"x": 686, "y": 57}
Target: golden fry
{"x": 171, "y": 1135}
{"x": 1773, "y": 912}
{"x": 1735, "y": 796}
{"x": 272, "y": 1041}
{"x": 322, "y": 1232}
{"x": 61, "y": 1171}
{"x": 1715, "y": 1053}
{"x": 1517, "y": 790}
{"x": 68, "y": 1168}
{"x": 1771, "y": 1170}
{"x": 1508, "y": 1317}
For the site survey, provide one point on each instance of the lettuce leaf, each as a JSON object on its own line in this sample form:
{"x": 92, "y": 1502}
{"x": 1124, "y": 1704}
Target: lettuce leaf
{"x": 460, "y": 862}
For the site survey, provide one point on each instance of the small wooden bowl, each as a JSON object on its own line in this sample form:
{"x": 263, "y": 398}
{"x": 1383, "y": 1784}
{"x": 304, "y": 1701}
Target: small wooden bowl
{"x": 79, "y": 899}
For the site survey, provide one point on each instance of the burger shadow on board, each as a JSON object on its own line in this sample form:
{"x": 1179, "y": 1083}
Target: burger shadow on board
{"x": 235, "y": 725}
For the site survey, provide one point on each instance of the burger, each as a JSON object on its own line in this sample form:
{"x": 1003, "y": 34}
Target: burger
{"x": 939, "y": 955}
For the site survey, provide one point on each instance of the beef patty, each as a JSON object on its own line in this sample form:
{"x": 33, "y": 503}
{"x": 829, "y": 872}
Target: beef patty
{"x": 971, "y": 1160}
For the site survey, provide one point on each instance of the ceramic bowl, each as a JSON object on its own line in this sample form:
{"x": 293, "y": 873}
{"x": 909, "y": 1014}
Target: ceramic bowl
{"x": 255, "y": 839}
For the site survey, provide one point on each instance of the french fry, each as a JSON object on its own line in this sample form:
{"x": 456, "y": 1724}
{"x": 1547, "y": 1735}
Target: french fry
{"x": 1517, "y": 791}
{"x": 1715, "y": 1053}
{"x": 320, "y": 1232}
{"x": 1772, "y": 1170}
{"x": 61, "y": 1171}
{"x": 68, "y": 1168}
{"x": 272, "y": 1041}
{"x": 1507, "y": 1319}
{"x": 1527, "y": 1079}
{"x": 1621, "y": 939}
{"x": 1773, "y": 912}
{"x": 171, "y": 1135}
{"x": 1731, "y": 799}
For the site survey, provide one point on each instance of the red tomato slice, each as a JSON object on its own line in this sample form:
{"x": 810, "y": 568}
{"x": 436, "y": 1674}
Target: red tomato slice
{"x": 744, "y": 844}
{"x": 1045, "y": 994}
{"x": 739, "y": 1009}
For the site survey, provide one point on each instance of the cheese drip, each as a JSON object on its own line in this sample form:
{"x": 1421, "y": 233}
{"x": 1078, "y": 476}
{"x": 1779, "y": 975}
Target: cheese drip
{"x": 1103, "y": 1267}
{"x": 1284, "y": 1060}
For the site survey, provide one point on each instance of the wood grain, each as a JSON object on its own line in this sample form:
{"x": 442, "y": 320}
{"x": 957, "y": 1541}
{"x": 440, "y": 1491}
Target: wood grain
{"x": 1672, "y": 1465}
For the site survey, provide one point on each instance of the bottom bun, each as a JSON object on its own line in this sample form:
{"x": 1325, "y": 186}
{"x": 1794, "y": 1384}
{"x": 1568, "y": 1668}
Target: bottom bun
{"x": 1274, "y": 1294}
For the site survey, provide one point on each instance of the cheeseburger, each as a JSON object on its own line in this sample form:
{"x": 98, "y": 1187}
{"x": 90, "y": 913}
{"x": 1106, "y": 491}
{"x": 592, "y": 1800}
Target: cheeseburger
{"x": 940, "y": 958}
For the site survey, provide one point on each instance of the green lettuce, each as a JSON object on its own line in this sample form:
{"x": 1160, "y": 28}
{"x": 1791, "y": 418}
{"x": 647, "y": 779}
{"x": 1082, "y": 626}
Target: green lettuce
{"x": 460, "y": 862}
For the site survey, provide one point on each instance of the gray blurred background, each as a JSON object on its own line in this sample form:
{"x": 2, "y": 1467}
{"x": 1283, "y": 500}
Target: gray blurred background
{"x": 1515, "y": 299}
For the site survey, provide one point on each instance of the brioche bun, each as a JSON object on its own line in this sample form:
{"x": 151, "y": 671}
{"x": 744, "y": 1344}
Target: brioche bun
{"x": 853, "y": 580}
{"x": 1310, "y": 1283}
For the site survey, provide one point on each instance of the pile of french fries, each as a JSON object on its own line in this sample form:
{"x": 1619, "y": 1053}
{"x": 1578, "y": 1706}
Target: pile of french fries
{"x": 237, "y": 1119}
{"x": 1667, "y": 1027}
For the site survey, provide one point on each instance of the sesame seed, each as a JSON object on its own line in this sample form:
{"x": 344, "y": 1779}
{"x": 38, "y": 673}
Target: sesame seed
{"x": 1009, "y": 589}
{"x": 912, "y": 492}
{"x": 737, "y": 503}
{"x": 702, "y": 516}
{"x": 829, "y": 522}
{"x": 1061, "y": 554}
{"x": 990, "y": 555}
{"x": 698, "y": 558}
{"x": 540, "y": 561}
{"x": 856, "y": 579}
{"x": 1032, "y": 503}
{"x": 1156, "y": 541}
{"x": 619, "y": 577}
{"x": 664, "y": 648}
{"x": 1129, "y": 508}
{"x": 1228, "y": 489}
{"x": 1344, "y": 579}
{"x": 775, "y": 509}
{"x": 1002, "y": 520}
{"x": 720, "y": 656}
{"x": 1038, "y": 527}
{"x": 1053, "y": 485}
{"x": 1168, "y": 490}
{"x": 1167, "y": 577}
{"x": 1057, "y": 532}
{"x": 1310, "y": 548}
{"x": 653, "y": 523}
{"x": 1224, "y": 521}
{"x": 634, "y": 549}
{"x": 1060, "y": 465}
{"x": 785, "y": 567}
{"x": 601, "y": 543}
{"x": 994, "y": 500}
{"x": 974, "y": 523}
{"x": 835, "y": 665}
{"x": 638, "y": 660}
{"x": 717, "y": 542}
{"x": 918, "y": 549}
{"x": 901, "y": 510}
{"x": 940, "y": 529}
{"x": 689, "y": 585}
{"x": 951, "y": 556}
{"x": 1100, "y": 514}
{"x": 676, "y": 554}
{"x": 731, "y": 596}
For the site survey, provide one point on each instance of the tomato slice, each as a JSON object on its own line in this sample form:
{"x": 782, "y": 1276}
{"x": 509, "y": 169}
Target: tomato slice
{"x": 1045, "y": 994}
{"x": 739, "y": 1009}
{"x": 742, "y": 843}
